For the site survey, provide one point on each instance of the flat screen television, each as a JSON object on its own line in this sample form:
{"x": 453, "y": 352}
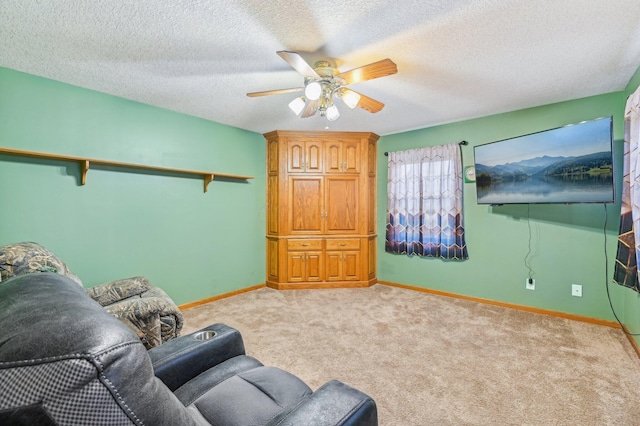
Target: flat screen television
{"x": 569, "y": 164}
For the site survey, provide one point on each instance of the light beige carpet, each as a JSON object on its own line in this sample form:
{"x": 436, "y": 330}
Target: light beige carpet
{"x": 433, "y": 360}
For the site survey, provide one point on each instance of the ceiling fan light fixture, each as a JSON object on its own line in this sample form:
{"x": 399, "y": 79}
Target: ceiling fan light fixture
{"x": 332, "y": 113}
{"x": 323, "y": 82}
{"x": 313, "y": 91}
{"x": 297, "y": 105}
{"x": 351, "y": 98}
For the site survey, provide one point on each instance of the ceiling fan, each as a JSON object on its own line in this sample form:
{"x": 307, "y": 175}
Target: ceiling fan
{"x": 323, "y": 82}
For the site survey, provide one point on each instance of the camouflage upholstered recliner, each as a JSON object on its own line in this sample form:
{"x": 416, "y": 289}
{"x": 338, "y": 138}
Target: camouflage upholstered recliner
{"x": 147, "y": 310}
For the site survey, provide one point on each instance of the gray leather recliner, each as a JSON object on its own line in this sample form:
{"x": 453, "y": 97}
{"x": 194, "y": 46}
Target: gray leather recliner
{"x": 65, "y": 361}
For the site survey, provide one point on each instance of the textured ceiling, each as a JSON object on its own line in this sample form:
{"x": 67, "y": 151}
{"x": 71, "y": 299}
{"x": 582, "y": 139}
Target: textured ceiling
{"x": 457, "y": 59}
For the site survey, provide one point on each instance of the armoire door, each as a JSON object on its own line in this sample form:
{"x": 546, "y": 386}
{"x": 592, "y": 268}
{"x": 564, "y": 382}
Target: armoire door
{"x": 304, "y": 156}
{"x": 342, "y": 210}
{"x": 306, "y": 213}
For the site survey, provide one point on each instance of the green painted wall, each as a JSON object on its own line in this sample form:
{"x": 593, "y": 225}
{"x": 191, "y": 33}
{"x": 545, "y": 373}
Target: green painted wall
{"x": 567, "y": 241}
{"x": 190, "y": 243}
{"x": 195, "y": 244}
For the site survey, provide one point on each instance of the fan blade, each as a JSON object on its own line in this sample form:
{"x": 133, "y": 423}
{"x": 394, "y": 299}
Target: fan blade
{"x": 366, "y": 102}
{"x": 297, "y": 63}
{"x": 368, "y": 72}
{"x": 275, "y": 92}
{"x": 310, "y": 109}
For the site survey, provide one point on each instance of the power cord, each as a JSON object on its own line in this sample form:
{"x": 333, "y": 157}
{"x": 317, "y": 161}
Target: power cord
{"x": 606, "y": 274}
{"x": 526, "y": 258}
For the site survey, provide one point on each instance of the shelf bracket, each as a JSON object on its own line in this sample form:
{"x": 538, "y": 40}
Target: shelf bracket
{"x": 208, "y": 178}
{"x": 85, "y": 169}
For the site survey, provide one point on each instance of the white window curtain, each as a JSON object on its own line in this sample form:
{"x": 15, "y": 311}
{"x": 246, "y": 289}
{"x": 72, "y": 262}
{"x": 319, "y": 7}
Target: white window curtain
{"x": 626, "y": 269}
{"x": 424, "y": 203}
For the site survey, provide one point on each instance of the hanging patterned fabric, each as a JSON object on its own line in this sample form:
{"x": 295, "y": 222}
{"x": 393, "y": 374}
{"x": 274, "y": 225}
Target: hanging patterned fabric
{"x": 626, "y": 269}
{"x": 424, "y": 203}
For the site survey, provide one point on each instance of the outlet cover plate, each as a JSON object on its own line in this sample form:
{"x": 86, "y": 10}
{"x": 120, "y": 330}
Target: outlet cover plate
{"x": 576, "y": 290}
{"x": 530, "y": 285}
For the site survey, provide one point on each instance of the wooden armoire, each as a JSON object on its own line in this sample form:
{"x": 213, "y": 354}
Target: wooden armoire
{"x": 321, "y": 209}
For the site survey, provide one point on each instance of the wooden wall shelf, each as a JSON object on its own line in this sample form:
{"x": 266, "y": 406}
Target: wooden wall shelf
{"x": 85, "y": 164}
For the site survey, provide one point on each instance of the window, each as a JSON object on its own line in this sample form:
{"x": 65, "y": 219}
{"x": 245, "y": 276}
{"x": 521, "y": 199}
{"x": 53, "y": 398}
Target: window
{"x": 424, "y": 203}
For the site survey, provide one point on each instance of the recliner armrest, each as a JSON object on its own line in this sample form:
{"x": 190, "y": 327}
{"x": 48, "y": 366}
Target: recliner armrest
{"x": 333, "y": 404}
{"x": 154, "y": 317}
{"x": 114, "y": 291}
{"x": 181, "y": 359}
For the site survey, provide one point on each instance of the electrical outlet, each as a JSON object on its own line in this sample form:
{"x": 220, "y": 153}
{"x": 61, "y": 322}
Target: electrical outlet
{"x": 576, "y": 290}
{"x": 530, "y": 284}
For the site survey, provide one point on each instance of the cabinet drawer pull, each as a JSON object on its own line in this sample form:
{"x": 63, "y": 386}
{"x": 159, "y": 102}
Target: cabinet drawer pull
{"x": 343, "y": 244}
{"x": 305, "y": 245}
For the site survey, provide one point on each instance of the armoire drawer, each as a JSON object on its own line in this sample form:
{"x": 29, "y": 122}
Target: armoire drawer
{"x": 343, "y": 244}
{"x": 306, "y": 244}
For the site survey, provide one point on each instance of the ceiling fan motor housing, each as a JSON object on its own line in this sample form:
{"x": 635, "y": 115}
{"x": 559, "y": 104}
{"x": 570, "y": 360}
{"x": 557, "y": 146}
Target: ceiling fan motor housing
{"x": 324, "y": 69}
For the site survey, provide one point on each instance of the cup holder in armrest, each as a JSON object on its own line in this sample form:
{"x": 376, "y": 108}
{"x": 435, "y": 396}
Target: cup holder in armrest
{"x": 204, "y": 335}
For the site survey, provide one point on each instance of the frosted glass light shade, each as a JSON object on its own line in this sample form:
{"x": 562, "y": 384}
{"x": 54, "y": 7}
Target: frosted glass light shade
{"x": 297, "y": 105}
{"x": 313, "y": 90}
{"x": 351, "y": 98}
{"x": 332, "y": 113}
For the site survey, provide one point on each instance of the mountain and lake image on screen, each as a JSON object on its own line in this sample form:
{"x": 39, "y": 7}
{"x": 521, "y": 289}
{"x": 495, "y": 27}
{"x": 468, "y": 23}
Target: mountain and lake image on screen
{"x": 570, "y": 164}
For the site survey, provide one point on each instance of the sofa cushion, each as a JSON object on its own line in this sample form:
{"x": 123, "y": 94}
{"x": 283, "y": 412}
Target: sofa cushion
{"x": 28, "y": 257}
